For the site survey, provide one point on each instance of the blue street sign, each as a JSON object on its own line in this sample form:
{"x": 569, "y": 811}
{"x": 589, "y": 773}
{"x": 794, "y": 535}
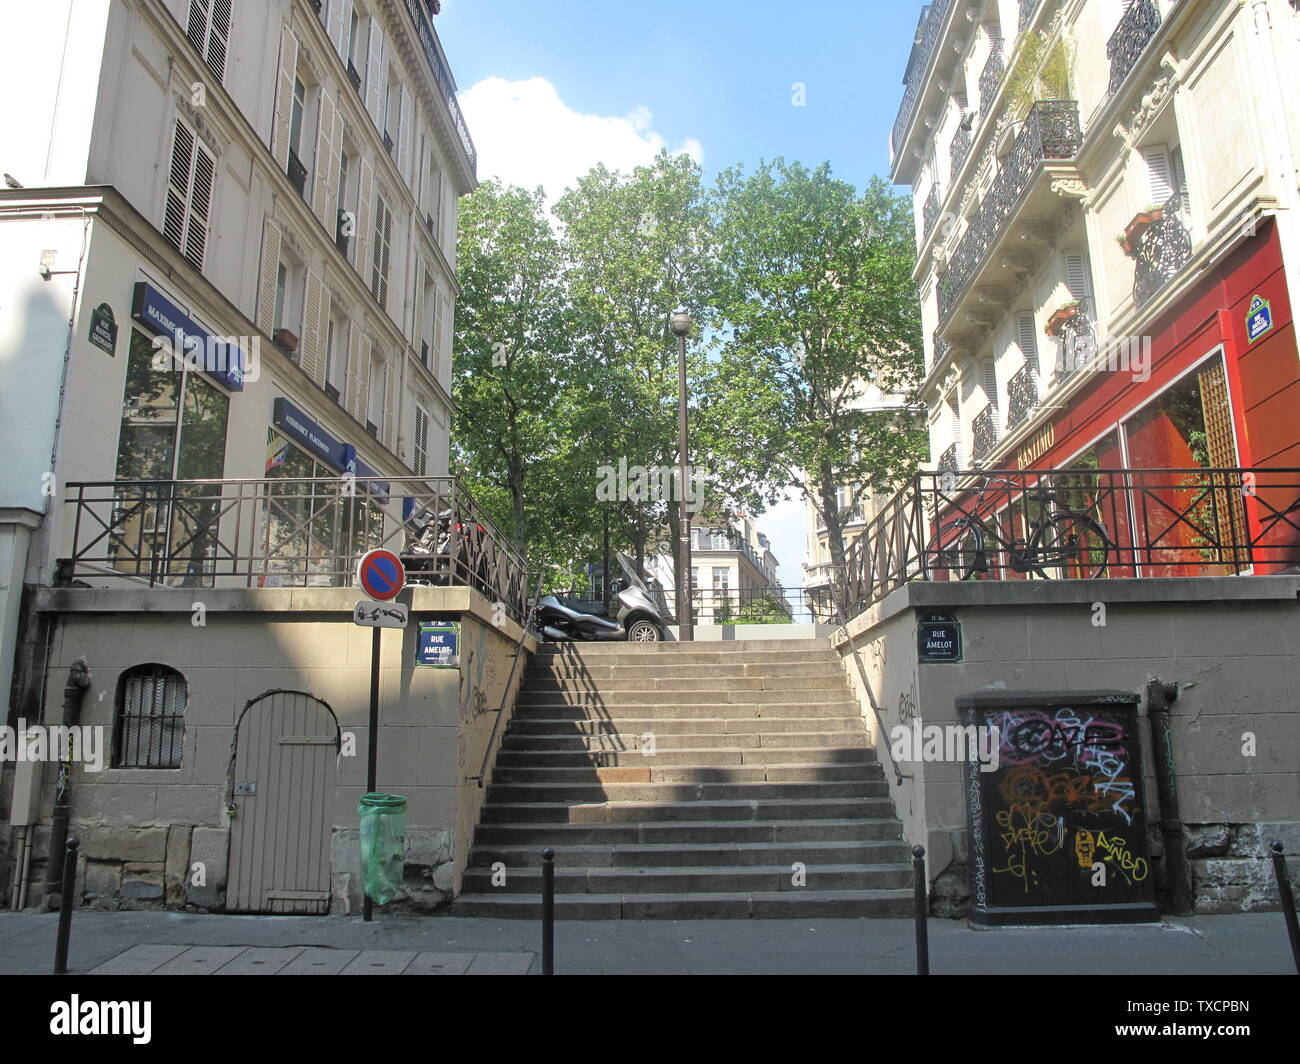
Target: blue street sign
{"x": 1259, "y": 319}
{"x": 439, "y": 645}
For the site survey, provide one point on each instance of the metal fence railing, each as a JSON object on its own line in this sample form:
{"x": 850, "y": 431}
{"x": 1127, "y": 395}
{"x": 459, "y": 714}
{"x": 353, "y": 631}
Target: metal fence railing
{"x": 1077, "y": 523}
{"x": 287, "y": 532}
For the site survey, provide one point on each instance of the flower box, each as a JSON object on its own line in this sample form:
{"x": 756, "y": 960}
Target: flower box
{"x": 1137, "y": 228}
{"x": 1060, "y": 316}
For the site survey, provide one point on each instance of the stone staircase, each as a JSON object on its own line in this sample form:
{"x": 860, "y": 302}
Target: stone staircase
{"x": 760, "y": 760}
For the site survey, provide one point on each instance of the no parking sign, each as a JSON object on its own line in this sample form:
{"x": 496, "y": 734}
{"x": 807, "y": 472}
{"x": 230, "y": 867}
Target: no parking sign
{"x": 381, "y": 574}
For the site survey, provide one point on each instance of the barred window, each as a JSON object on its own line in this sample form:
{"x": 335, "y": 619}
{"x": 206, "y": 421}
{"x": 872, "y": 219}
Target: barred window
{"x": 150, "y": 727}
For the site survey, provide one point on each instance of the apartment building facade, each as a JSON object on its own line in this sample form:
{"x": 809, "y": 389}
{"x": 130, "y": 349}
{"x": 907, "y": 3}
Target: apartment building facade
{"x": 1106, "y": 198}
{"x": 229, "y": 252}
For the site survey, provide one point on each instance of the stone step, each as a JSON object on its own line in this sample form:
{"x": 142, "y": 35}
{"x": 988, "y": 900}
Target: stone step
{"x": 716, "y": 855}
{"x": 748, "y": 647}
{"x": 726, "y": 879}
{"x": 672, "y": 686}
{"x": 774, "y": 905}
{"x": 796, "y": 696}
{"x": 821, "y": 665}
{"x": 614, "y": 812}
{"x": 665, "y": 742}
{"x": 727, "y": 756}
{"x": 578, "y": 709}
{"x": 680, "y": 833}
{"x": 597, "y": 793}
{"x": 665, "y": 726}
{"x": 690, "y": 774}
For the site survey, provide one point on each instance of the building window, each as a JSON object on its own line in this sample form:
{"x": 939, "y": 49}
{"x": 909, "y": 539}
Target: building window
{"x": 379, "y": 264}
{"x": 208, "y": 28}
{"x": 149, "y": 731}
{"x": 189, "y": 195}
{"x": 420, "y": 461}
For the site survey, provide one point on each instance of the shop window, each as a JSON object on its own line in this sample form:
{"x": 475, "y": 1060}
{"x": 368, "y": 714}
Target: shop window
{"x": 149, "y": 729}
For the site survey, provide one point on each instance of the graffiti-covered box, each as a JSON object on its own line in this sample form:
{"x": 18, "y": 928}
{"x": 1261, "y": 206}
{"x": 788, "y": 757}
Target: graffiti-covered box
{"x": 1058, "y": 824}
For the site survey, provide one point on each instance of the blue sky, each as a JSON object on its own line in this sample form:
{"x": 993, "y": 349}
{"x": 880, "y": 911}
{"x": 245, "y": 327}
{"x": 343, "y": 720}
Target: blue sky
{"x": 551, "y": 88}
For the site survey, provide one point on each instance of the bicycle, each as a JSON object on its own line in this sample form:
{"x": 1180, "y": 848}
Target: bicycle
{"x": 1064, "y": 539}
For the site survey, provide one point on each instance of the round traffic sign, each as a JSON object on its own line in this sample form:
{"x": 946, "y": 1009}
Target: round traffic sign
{"x": 381, "y": 574}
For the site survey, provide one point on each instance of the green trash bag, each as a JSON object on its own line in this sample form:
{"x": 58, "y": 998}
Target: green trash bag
{"x": 383, "y": 845}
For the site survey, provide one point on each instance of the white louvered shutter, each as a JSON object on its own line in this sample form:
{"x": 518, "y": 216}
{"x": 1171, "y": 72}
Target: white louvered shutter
{"x": 358, "y": 370}
{"x": 990, "y": 382}
{"x": 1160, "y": 181}
{"x": 435, "y": 337}
{"x": 189, "y": 195}
{"x": 420, "y": 458}
{"x": 208, "y": 27}
{"x": 365, "y": 196}
{"x": 313, "y": 340}
{"x": 404, "y": 134}
{"x": 1028, "y": 340}
{"x": 389, "y": 433}
{"x": 376, "y": 82}
{"x": 325, "y": 183}
{"x": 284, "y": 98}
{"x": 340, "y": 22}
{"x": 1076, "y": 275}
{"x": 266, "y": 280}
{"x": 417, "y": 320}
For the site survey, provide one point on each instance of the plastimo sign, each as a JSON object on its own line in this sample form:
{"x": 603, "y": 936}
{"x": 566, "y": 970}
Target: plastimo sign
{"x": 381, "y": 574}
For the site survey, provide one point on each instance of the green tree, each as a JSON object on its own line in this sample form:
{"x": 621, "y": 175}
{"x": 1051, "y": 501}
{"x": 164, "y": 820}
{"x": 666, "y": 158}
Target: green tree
{"x": 816, "y": 288}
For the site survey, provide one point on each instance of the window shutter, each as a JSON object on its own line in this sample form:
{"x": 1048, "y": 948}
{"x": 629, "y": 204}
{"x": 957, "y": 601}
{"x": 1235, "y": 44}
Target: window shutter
{"x": 284, "y": 98}
{"x": 266, "y": 282}
{"x": 417, "y": 321}
{"x": 1076, "y": 275}
{"x": 313, "y": 340}
{"x": 420, "y": 460}
{"x": 445, "y": 330}
{"x": 389, "y": 433}
{"x": 340, "y": 22}
{"x": 218, "y": 38}
{"x": 435, "y": 339}
{"x": 375, "y": 80}
{"x": 1178, "y": 171}
{"x": 404, "y": 134}
{"x": 990, "y": 381}
{"x": 196, "y": 230}
{"x": 189, "y": 195}
{"x": 1028, "y": 339}
{"x": 358, "y": 371}
{"x": 325, "y": 187}
{"x": 1160, "y": 180}
{"x": 178, "y": 185}
{"x": 954, "y": 417}
{"x": 365, "y": 193}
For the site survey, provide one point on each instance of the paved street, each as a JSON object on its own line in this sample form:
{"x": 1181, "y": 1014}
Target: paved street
{"x": 178, "y": 943}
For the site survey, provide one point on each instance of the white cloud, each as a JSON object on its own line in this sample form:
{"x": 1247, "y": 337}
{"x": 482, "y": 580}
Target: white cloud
{"x": 526, "y": 135}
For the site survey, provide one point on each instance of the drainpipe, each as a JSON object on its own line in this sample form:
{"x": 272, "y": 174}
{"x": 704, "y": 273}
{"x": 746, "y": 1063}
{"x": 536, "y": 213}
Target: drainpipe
{"x": 1159, "y": 697}
{"x": 73, "y": 694}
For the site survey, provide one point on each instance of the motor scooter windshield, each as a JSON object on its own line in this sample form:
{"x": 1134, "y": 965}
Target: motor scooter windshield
{"x": 629, "y": 570}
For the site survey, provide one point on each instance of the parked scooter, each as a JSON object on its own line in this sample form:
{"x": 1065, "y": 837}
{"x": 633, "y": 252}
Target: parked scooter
{"x": 638, "y": 619}
{"x": 428, "y": 552}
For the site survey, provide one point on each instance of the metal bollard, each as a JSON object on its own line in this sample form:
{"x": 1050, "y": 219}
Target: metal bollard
{"x": 66, "y": 903}
{"x": 1288, "y": 901}
{"x": 548, "y": 911}
{"x": 921, "y": 896}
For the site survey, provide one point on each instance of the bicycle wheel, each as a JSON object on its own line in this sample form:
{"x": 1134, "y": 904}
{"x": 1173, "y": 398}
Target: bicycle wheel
{"x": 957, "y": 547}
{"x": 1072, "y": 543}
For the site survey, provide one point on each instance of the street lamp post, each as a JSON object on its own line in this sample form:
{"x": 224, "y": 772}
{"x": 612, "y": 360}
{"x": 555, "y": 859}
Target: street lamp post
{"x": 680, "y": 324}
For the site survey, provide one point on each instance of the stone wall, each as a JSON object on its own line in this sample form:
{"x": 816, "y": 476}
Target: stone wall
{"x": 160, "y": 838}
{"x": 1232, "y": 645}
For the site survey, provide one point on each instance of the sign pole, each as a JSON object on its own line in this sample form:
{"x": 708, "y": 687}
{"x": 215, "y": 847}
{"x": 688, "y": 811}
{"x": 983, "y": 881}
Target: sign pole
{"x": 372, "y": 753}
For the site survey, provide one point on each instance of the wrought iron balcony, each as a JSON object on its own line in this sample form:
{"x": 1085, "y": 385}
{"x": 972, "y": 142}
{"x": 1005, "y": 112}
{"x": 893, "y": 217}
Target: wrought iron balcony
{"x": 927, "y": 38}
{"x": 1022, "y": 395}
{"x": 930, "y": 212}
{"x": 353, "y": 76}
{"x": 984, "y": 433}
{"x": 959, "y": 149}
{"x": 1076, "y": 342}
{"x": 1161, "y": 252}
{"x": 991, "y": 77}
{"x": 941, "y": 349}
{"x": 1130, "y": 39}
{"x": 297, "y": 173}
{"x": 948, "y": 460}
{"x": 1027, "y": 9}
{"x": 1051, "y": 132}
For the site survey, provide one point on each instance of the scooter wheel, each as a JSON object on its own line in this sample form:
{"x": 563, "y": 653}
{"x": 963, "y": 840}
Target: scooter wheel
{"x": 644, "y": 632}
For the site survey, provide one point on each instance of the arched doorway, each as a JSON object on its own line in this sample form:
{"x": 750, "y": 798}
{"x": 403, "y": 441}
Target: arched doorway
{"x": 281, "y": 795}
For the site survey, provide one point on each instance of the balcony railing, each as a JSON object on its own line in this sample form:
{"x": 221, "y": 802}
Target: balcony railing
{"x": 442, "y": 77}
{"x": 959, "y": 149}
{"x": 1022, "y": 395}
{"x": 984, "y": 433}
{"x": 1076, "y": 342}
{"x": 948, "y": 460}
{"x": 991, "y": 77}
{"x": 297, "y": 173}
{"x": 1077, "y": 524}
{"x": 1050, "y": 132}
{"x": 941, "y": 349}
{"x": 1161, "y": 252}
{"x": 749, "y": 605}
{"x": 930, "y": 213}
{"x": 286, "y": 533}
{"x": 927, "y": 38}
{"x": 1130, "y": 39}
{"x": 1027, "y": 9}
{"x": 354, "y": 76}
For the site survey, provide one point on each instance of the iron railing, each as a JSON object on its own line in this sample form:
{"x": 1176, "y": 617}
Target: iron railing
{"x": 991, "y": 77}
{"x": 1139, "y": 25}
{"x": 931, "y": 23}
{"x": 1076, "y": 342}
{"x": 1050, "y": 132}
{"x": 297, "y": 173}
{"x": 1161, "y": 252}
{"x": 948, "y": 460}
{"x": 1027, "y": 9}
{"x": 300, "y": 532}
{"x": 748, "y": 605}
{"x": 941, "y": 349}
{"x": 1149, "y": 523}
{"x": 959, "y": 149}
{"x": 1022, "y": 395}
{"x": 930, "y": 213}
{"x": 442, "y": 77}
{"x": 984, "y": 433}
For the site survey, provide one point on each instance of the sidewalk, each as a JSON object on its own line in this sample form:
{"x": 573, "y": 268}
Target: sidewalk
{"x": 1254, "y": 944}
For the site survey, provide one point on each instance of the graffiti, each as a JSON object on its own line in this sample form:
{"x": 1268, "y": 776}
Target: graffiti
{"x": 907, "y": 705}
{"x": 1084, "y": 847}
{"x": 1028, "y": 833}
{"x": 977, "y": 837}
{"x": 1114, "y": 848}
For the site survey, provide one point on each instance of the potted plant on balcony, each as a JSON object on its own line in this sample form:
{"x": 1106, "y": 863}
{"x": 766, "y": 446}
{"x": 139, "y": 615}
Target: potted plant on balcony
{"x": 1137, "y": 228}
{"x": 1065, "y": 312}
{"x": 286, "y": 340}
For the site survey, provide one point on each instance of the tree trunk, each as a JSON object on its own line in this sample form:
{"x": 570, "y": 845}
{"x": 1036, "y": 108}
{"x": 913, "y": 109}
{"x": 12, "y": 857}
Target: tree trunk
{"x": 516, "y": 477}
{"x": 834, "y": 537}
